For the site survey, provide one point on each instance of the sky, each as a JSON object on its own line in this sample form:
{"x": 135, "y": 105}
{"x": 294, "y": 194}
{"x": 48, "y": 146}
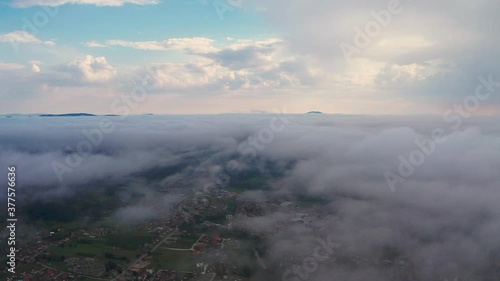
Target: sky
{"x": 248, "y": 56}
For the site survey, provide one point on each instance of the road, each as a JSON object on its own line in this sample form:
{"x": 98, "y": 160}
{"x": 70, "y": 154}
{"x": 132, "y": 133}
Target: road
{"x": 190, "y": 249}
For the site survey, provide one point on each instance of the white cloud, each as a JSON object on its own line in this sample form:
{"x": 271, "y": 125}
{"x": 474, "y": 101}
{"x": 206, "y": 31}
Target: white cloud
{"x": 94, "y": 44}
{"x": 53, "y": 3}
{"x": 35, "y": 68}
{"x": 424, "y": 31}
{"x": 189, "y": 45}
{"x": 393, "y": 75}
{"x": 91, "y": 70}
{"x": 19, "y": 36}
{"x": 23, "y": 37}
{"x": 50, "y": 43}
{"x": 249, "y": 54}
{"x": 216, "y": 67}
{"x": 209, "y": 77}
{"x": 246, "y": 65}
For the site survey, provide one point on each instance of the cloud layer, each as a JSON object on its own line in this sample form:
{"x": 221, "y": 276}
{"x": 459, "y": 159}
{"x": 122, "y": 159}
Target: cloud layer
{"x": 444, "y": 220}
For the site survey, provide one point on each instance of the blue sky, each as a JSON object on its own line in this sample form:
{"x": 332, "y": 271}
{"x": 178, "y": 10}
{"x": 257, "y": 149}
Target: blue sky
{"x": 74, "y": 25}
{"x": 369, "y": 57}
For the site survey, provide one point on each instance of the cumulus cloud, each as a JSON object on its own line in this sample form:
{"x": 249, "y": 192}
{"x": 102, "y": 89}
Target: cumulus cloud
{"x": 35, "y": 68}
{"x": 204, "y": 76}
{"x": 248, "y": 54}
{"x": 53, "y": 3}
{"x": 91, "y": 70}
{"x": 244, "y": 65}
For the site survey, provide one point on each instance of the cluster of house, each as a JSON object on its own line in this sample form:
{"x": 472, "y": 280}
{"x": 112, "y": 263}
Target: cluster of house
{"x": 97, "y": 232}
{"x": 86, "y": 266}
{"x": 206, "y": 242}
{"x": 41, "y": 273}
{"x": 249, "y": 209}
{"x": 165, "y": 275}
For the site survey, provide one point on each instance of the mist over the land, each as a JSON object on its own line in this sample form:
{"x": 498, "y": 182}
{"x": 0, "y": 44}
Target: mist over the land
{"x": 443, "y": 215}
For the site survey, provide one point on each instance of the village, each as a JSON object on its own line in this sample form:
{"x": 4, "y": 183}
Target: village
{"x": 198, "y": 240}
{"x": 163, "y": 249}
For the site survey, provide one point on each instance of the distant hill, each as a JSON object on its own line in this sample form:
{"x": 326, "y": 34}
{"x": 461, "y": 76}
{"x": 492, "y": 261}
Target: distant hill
{"x": 314, "y": 112}
{"x": 67, "y": 115}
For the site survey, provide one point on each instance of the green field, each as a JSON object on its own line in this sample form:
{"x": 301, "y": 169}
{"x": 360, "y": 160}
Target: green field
{"x": 184, "y": 242}
{"x": 96, "y": 247}
{"x": 129, "y": 240}
{"x": 57, "y": 264}
{"x": 100, "y": 248}
{"x": 176, "y": 260}
{"x": 79, "y": 223}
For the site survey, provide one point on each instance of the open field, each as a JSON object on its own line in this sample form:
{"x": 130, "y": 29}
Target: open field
{"x": 183, "y": 242}
{"x": 119, "y": 248}
{"x": 176, "y": 260}
{"x": 128, "y": 240}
